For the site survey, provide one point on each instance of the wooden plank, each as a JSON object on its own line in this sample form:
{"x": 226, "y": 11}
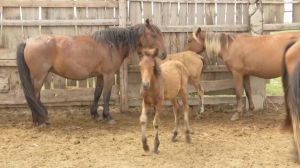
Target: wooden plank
{"x": 147, "y": 9}
{"x": 296, "y": 13}
{"x": 56, "y": 96}
{"x": 285, "y": 26}
{"x": 192, "y": 101}
{"x": 245, "y": 14}
{"x": 59, "y": 4}
{"x": 239, "y": 14}
{"x": 124, "y": 68}
{"x": 210, "y": 13}
{"x": 200, "y": 14}
{"x": 217, "y": 1}
{"x": 4, "y": 80}
{"x": 59, "y": 22}
{"x": 166, "y": 21}
{"x": 221, "y": 8}
{"x": 230, "y": 14}
{"x": 7, "y": 54}
{"x": 279, "y": 12}
{"x": 182, "y": 21}
{"x": 157, "y": 10}
{"x": 174, "y": 41}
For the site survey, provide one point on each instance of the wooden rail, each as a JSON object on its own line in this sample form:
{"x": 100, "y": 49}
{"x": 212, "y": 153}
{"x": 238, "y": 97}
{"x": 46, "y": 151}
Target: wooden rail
{"x": 59, "y": 4}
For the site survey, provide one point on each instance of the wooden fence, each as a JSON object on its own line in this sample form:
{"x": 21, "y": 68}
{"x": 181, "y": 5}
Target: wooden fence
{"x": 177, "y": 19}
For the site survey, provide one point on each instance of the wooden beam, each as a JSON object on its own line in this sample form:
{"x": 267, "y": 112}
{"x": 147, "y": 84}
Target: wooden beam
{"x": 193, "y": 28}
{"x": 8, "y": 63}
{"x": 124, "y": 68}
{"x": 192, "y": 101}
{"x": 59, "y": 4}
{"x": 56, "y": 96}
{"x": 281, "y": 26}
{"x": 190, "y": 1}
{"x": 59, "y": 22}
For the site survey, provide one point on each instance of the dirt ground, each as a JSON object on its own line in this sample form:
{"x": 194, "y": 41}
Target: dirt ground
{"x": 74, "y": 140}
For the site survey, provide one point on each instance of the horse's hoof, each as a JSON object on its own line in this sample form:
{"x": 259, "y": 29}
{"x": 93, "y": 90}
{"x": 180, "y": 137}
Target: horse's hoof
{"x": 188, "y": 139}
{"x": 155, "y": 152}
{"x": 248, "y": 114}
{"x": 146, "y": 148}
{"x": 173, "y": 139}
{"x": 235, "y": 116}
{"x": 111, "y": 122}
{"x": 198, "y": 117}
{"x": 43, "y": 125}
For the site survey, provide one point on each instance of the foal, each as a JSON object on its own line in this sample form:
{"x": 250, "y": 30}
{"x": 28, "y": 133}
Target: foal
{"x": 161, "y": 83}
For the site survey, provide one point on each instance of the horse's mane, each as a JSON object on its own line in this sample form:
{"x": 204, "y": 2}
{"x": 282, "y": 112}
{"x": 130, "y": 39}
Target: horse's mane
{"x": 123, "y": 36}
{"x": 156, "y": 69}
{"x": 215, "y": 41}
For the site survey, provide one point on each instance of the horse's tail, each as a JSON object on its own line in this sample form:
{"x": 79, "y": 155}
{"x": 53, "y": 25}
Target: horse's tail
{"x": 285, "y": 83}
{"x": 39, "y": 112}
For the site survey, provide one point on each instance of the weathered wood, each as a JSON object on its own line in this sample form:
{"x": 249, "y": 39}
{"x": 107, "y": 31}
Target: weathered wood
{"x": 285, "y": 26}
{"x": 221, "y": 14}
{"x": 7, "y": 54}
{"x": 59, "y": 4}
{"x": 55, "y": 96}
{"x": 209, "y": 13}
{"x": 230, "y": 14}
{"x": 157, "y": 10}
{"x": 4, "y": 83}
{"x": 239, "y": 13}
{"x": 59, "y": 22}
{"x": 182, "y": 21}
{"x": 192, "y": 101}
{"x": 200, "y": 14}
{"x": 124, "y": 68}
{"x": 218, "y": 1}
{"x": 296, "y": 13}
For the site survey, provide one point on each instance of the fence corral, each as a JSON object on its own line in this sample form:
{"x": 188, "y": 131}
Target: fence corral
{"x": 176, "y": 19}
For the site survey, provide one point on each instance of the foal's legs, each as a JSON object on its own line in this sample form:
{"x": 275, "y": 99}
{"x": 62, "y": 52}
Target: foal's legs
{"x": 108, "y": 82}
{"x": 200, "y": 93}
{"x": 143, "y": 122}
{"x": 247, "y": 87}
{"x": 97, "y": 94}
{"x": 185, "y": 107}
{"x": 176, "y": 114}
{"x": 238, "y": 82}
{"x": 158, "y": 108}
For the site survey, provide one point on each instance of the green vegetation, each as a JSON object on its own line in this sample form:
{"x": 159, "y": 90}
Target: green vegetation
{"x": 274, "y": 87}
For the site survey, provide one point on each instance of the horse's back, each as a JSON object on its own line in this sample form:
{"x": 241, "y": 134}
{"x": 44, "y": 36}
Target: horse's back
{"x": 175, "y": 77}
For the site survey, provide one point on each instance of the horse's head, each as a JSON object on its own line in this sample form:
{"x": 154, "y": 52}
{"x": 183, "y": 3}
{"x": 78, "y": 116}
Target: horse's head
{"x": 153, "y": 38}
{"x": 148, "y": 66}
{"x": 196, "y": 42}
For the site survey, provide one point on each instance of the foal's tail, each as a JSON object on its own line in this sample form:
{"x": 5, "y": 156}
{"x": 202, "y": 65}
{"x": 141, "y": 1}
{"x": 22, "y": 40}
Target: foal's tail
{"x": 39, "y": 112}
{"x": 285, "y": 85}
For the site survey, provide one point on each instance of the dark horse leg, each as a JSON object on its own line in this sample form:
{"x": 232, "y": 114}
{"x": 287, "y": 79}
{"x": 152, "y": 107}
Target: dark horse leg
{"x": 108, "y": 82}
{"x": 97, "y": 94}
{"x": 247, "y": 87}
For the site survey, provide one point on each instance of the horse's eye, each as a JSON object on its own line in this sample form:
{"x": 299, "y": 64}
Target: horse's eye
{"x": 153, "y": 35}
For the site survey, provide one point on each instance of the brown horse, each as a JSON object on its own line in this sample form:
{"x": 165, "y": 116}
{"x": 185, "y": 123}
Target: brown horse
{"x": 194, "y": 64}
{"x": 244, "y": 55}
{"x": 161, "y": 83}
{"x": 99, "y": 55}
{"x": 291, "y": 87}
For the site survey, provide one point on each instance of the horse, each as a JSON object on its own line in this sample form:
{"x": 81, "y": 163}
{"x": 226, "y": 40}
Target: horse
{"x": 244, "y": 55}
{"x": 194, "y": 64}
{"x": 161, "y": 83}
{"x": 291, "y": 87}
{"x": 99, "y": 55}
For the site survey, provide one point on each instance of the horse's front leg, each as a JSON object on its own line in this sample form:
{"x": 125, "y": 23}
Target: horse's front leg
{"x": 143, "y": 122}
{"x": 108, "y": 82}
{"x": 176, "y": 115}
{"x": 97, "y": 94}
{"x": 238, "y": 82}
{"x": 158, "y": 108}
{"x": 247, "y": 87}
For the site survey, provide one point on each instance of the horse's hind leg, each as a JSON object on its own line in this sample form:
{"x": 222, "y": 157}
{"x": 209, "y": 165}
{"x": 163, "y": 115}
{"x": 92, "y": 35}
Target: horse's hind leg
{"x": 185, "y": 107}
{"x": 200, "y": 93}
{"x": 176, "y": 115}
{"x": 238, "y": 82}
{"x": 108, "y": 82}
{"x": 143, "y": 122}
{"x": 97, "y": 94}
{"x": 158, "y": 108}
{"x": 247, "y": 87}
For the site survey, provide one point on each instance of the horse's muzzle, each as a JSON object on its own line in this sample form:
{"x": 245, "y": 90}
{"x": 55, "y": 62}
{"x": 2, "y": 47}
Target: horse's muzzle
{"x": 146, "y": 85}
{"x": 162, "y": 56}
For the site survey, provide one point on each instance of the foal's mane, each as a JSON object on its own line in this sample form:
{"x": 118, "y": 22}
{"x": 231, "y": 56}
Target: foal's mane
{"x": 123, "y": 36}
{"x": 156, "y": 69}
{"x": 215, "y": 41}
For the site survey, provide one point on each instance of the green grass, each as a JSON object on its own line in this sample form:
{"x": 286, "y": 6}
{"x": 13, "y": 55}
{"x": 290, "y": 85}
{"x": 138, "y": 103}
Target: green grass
{"x": 274, "y": 87}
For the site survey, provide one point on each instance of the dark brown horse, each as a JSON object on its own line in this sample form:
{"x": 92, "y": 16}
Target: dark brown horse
{"x": 291, "y": 87}
{"x": 244, "y": 55}
{"x": 99, "y": 55}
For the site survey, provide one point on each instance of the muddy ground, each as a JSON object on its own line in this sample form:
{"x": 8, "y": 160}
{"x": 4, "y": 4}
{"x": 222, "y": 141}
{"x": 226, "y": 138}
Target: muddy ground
{"x": 74, "y": 140}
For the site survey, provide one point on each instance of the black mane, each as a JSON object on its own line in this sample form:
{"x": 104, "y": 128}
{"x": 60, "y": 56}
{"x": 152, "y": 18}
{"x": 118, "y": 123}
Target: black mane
{"x": 123, "y": 36}
{"x": 156, "y": 69}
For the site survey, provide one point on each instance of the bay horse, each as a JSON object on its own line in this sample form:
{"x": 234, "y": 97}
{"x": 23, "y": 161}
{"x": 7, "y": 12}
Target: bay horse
{"x": 194, "y": 64}
{"x": 98, "y": 55}
{"x": 161, "y": 83}
{"x": 291, "y": 87}
{"x": 244, "y": 55}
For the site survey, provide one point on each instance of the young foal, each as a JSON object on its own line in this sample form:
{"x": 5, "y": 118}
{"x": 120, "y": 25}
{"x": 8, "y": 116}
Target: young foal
{"x": 194, "y": 64}
{"x": 161, "y": 83}
{"x": 79, "y": 58}
{"x": 291, "y": 87}
{"x": 244, "y": 55}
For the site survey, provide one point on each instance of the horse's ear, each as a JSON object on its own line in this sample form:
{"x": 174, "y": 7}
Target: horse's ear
{"x": 198, "y": 31}
{"x": 155, "y": 53}
{"x": 148, "y": 23}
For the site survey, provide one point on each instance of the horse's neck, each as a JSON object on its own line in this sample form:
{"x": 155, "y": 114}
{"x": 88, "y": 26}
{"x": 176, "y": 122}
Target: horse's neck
{"x": 156, "y": 82}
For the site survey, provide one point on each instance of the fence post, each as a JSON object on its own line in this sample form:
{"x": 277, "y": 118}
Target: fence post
{"x": 124, "y": 68}
{"x": 258, "y": 85}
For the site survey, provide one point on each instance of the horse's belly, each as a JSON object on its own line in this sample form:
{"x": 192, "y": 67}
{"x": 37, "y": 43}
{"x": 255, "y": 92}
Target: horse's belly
{"x": 172, "y": 82}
